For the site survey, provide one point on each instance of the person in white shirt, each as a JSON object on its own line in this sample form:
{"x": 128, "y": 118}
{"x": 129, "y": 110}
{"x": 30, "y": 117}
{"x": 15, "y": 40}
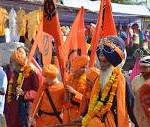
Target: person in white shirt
{"x": 3, "y": 88}
{"x": 137, "y": 83}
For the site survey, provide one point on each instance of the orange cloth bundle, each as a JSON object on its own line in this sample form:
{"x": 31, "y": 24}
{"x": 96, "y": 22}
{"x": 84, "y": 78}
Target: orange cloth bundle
{"x": 4, "y": 17}
{"x": 50, "y": 71}
{"x": 79, "y": 62}
{"x": 19, "y": 56}
{"x": 21, "y": 22}
{"x": 34, "y": 19}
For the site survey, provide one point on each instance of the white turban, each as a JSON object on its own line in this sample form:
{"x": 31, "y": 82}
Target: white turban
{"x": 145, "y": 61}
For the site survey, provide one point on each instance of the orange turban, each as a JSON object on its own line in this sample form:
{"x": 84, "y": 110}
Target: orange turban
{"x": 79, "y": 62}
{"x": 50, "y": 71}
{"x": 92, "y": 74}
{"x": 19, "y": 56}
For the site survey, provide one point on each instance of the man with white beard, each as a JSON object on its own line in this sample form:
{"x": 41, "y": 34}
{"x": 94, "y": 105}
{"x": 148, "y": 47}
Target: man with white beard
{"x": 109, "y": 104}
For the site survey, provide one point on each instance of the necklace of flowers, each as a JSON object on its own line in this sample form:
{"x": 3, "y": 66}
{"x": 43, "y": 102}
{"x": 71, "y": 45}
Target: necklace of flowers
{"x": 82, "y": 83}
{"x": 24, "y": 73}
{"x": 81, "y": 86}
{"x": 97, "y": 107}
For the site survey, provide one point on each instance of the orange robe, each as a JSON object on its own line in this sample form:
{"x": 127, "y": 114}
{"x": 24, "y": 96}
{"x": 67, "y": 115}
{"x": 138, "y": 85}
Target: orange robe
{"x": 57, "y": 95}
{"x": 122, "y": 117}
{"x": 77, "y": 106}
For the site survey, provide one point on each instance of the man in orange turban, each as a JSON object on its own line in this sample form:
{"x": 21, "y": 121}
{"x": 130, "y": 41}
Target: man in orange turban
{"x": 19, "y": 56}
{"x": 76, "y": 85}
{"x": 49, "y": 102}
{"x": 91, "y": 75}
{"x": 22, "y": 88}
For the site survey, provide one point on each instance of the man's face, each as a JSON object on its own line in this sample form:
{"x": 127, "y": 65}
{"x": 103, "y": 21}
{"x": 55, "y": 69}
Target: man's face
{"x": 79, "y": 72}
{"x": 104, "y": 64}
{"x": 14, "y": 66}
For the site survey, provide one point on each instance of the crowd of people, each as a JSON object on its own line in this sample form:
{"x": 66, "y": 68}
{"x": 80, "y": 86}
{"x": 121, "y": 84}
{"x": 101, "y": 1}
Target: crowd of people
{"x": 34, "y": 94}
{"x": 89, "y": 96}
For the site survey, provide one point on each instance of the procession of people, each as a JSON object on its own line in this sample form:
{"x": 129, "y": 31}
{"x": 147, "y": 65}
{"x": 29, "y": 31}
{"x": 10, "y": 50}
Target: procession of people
{"x": 57, "y": 82}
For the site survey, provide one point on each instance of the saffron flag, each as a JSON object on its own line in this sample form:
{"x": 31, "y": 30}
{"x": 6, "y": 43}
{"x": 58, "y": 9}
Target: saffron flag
{"x": 109, "y": 27}
{"x": 96, "y": 35}
{"x": 104, "y": 27}
{"x": 51, "y": 25}
{"x": 76, "y": 43}
{"x": 43, "y": 41}
{"x": 46, "y": 48}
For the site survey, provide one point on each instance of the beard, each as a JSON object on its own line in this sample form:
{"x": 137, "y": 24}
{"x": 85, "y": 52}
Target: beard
{"x": 105, "y": 67}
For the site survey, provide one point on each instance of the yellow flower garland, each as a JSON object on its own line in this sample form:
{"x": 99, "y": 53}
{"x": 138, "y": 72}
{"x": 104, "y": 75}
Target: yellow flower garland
{"x": 24, "y": 73}
{"x": 82, "y": 83}
{"x": 10, "y": 89}
{"x": 98, "y": 107}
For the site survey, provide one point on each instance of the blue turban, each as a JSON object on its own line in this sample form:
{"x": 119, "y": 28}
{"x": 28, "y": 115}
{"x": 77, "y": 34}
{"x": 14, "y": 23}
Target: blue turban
{"x": 112, "y": 48}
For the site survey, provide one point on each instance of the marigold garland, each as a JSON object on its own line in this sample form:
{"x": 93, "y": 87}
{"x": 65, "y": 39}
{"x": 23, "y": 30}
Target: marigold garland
{"x": 10, "y": 89}
{"x": 97, "y": 107}
{"x": 82, "y": 83}
{"x": 24, "y": 73}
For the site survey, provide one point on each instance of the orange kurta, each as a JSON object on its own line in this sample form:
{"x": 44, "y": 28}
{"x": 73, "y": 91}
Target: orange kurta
{"x": 57, "y": 95}
{"x": 76, "y": 109}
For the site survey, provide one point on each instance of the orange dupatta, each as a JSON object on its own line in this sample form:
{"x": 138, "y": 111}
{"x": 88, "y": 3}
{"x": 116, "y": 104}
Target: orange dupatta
{"x": 123, "y": 120}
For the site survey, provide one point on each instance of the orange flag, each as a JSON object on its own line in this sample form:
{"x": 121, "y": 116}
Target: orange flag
{"x": 96, "y": 35}
{"x": 105, "y": 27}
{"x": 46, "y": 48}
{"x": 76, "y": 38}
{"x": 109, "y": 27}
{"x": 51, "y": 25}
{"x": 76, "y": 44}
{"x": 43, "y": 41}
